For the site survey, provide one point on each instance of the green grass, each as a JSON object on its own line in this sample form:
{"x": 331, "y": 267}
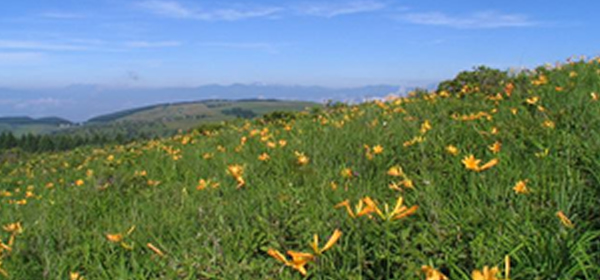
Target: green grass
{"x": 466, "y": 219}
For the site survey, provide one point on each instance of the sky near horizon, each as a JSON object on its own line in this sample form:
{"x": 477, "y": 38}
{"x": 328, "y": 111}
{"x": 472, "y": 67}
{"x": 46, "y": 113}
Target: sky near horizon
{"x": 341, "y": 43}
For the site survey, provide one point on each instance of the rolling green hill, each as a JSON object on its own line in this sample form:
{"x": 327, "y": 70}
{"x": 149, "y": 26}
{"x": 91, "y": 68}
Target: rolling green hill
{"x": 167, "y": 119}
{"x": 155, "y": 120}
{"x": 24, "y": 125}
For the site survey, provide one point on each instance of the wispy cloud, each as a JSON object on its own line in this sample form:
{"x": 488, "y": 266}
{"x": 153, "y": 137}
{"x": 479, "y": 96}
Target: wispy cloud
{"x": 264, "y": 47}
{"x": 20, "y": 57}
{"x": 485, "y": 19}
{"x": 39, "y": 45}
{"x": 175, "y": 9}
{"x": 148, "y": 44}
{"x": 338, "y": 9}
{"x": 40, "y": 102}
{"x": 62, "y": 15}
{"x": 79, "y": 45}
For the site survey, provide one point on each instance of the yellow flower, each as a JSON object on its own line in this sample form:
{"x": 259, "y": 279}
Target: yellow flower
{"x": 79, "y": 183}
{"x": 400, "y": 211}
{"x": 119, "y": 237}
{"x": 235, "y": 170}
{"x": 426, "y": 126}
{"x": 378, "y": 149}
{"x": 521, "y": 187}
{"x": 564, "y": 220}
{"x": 396, "y": 171}
{"x": 202, "y": 184}
{"x": 489, "y": 164}
{"x": 495, "y": 148}
{"x": 485, "y": 274}
{"x": 75, "y": 276}
{"x": 368, "y": 153}
{"x": 542, "y": 80}
{"x": 155, "y": 250}
{"x": 452, "y": 150}
{"x": 264, "y": 157}
{"x": 594, "y": 96}
{"x": 282, "y": 143}
{"x": 332, "y": 240}
{"x": 347, "y": 173}
{"x": 395, "y": 186}
{"x": 2, "y": 271}
{"x": 13, "y": 228}
{"x": 508, "y": 89}
{"x": 298, "y": 262}
{"x": 432, "y": 274}
{"x": 471, "y": 163}
{"x": 346, "y": 205}
{"x": 370, "y": 207}
{"x": 4, "y": 247}
{"x": 549, "y": 124}
{"x": 153, "y": 183}
{"x": 301, "y": 158}
{"x": 532, "y": 100}
{"x": 543, "y": 153}
{"x": 408, "y": 183}
{"x": 115, "y": 238}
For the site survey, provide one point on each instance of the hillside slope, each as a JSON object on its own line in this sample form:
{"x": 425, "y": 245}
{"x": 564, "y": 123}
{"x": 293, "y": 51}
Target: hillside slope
{"x": 452, "y": 181}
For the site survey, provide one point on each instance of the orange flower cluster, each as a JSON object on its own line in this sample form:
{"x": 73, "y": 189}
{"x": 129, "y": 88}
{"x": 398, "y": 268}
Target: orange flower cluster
{"x": 301, "y": 259}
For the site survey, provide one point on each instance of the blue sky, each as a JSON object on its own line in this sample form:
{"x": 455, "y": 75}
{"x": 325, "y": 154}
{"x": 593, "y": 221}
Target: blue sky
{"x": 342, "y": 43}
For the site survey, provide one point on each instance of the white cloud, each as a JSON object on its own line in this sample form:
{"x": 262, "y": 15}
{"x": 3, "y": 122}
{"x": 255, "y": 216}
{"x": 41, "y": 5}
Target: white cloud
{"x": 486, "y": 19}
{"x": 265, "y": 47}
{"x": 20, "y": 57}
{"x": 147, "y": 44}
{"x": 62, "y": 15}
{"x": 39, "y": 45}
{"x": 40, "y": 102}
{"x": 332, "y": 9}
{"x": 174, "y": 9}
{"x": 77, "y": 45}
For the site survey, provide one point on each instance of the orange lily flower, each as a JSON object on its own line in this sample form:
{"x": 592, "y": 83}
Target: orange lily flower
{"x": 299, "y": 259}
{"x": 564, "y": 219}
{"x": 155, "y": 250}
{"x": 495, "y": 148}
{"x": 521, "y": 187}
{"x": 432, "y": 273}
{"x": 485, "y": 274}
{"x": 332, "y": 240}
{"x": 396, "y": 171}
{"x": 471, "y": 163}
{"x": 489, "y": 164}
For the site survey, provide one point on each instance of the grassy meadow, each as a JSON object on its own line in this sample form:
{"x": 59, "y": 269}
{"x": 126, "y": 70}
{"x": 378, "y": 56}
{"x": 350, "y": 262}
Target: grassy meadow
{"x": 464, "y": 183}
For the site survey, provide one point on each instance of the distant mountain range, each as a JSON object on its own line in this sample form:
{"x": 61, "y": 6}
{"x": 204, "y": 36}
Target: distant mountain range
{"x": 79, "y": 103}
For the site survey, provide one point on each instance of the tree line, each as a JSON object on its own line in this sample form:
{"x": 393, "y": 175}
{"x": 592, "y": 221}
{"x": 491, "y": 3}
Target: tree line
{"x": 60, "y": 142}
